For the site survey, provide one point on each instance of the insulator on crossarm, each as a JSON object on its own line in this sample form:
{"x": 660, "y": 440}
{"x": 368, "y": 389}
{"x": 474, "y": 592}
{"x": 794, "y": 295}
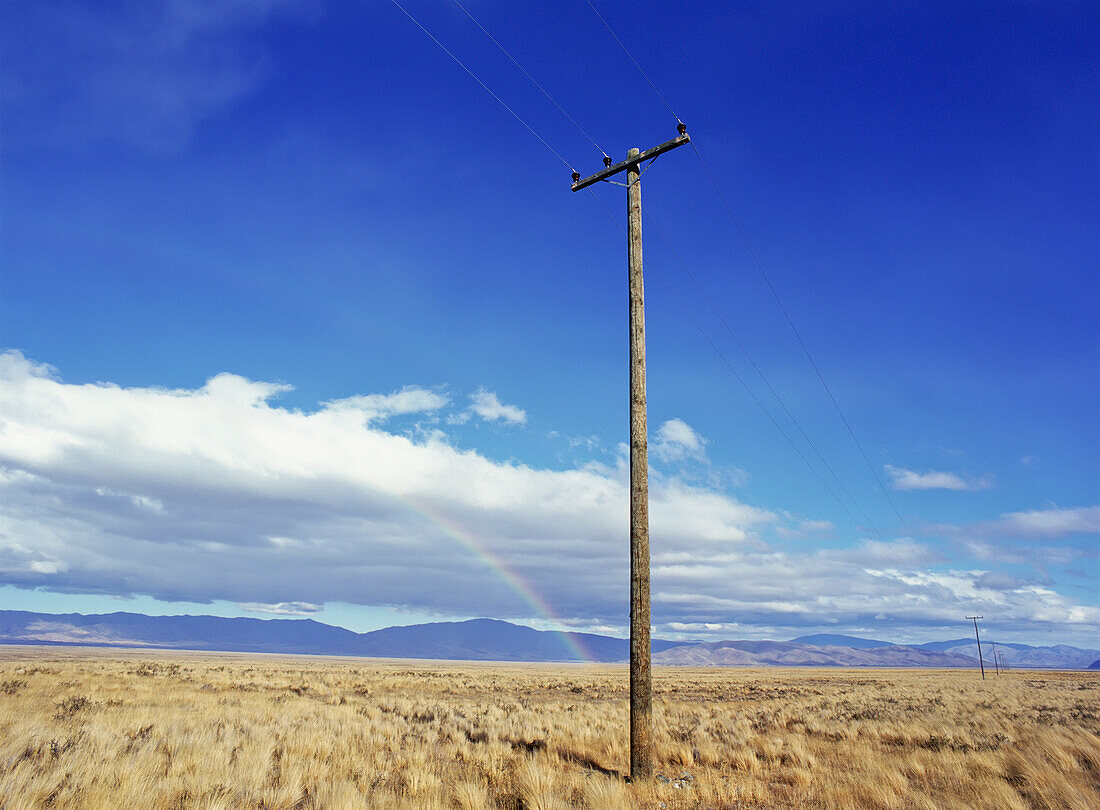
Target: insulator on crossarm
{"x": 607, "y": 161}
{"x": 682, "y": 128}
{"x": 576, "y": 177}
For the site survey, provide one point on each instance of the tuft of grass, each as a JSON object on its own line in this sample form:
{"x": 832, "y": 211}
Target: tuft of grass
{"x": 71, "y": 706}
{"x": 471, "y": 796}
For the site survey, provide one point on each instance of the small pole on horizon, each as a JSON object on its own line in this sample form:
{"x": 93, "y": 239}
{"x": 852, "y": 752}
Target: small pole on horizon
{"x": 981, "y": 663}
{"x": 641, "y": 680}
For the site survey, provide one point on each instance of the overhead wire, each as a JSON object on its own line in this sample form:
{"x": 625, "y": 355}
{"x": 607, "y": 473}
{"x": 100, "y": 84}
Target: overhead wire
{"x": 630, "y": 56}
{"x": 740, "y": 379}
{"x": 774, "y": 292}
{"x": 775, "y": 394}
{"x": 486, "y": 87}
{"x": 534, "y": 81}
{"x": 801, "y": 342}
{"x": 885, "y": 548}
{"x": 867, "y": 521}
{"x": 729, "y": 210}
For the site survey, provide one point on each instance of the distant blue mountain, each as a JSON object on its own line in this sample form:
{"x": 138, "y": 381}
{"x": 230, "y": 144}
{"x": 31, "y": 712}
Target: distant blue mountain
{"x": 1058, "y": 656}
{"x": 495, "y": 640}
{"x": 831, "y": 640}
{"x": 477, "y": 639}
{"x": 939, "y": 646}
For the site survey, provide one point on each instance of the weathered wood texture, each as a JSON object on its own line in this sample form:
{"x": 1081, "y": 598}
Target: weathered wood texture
{"x": 641, "y": 688}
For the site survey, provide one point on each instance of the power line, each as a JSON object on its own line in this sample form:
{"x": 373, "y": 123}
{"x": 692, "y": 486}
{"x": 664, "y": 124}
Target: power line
{"x": 771, "y": 287}
{"x": 801, "y": 342}
{"x": 741, "y": 380}
{"x": 869, "y": 523}
{"x": 532, "y": 78}
{"x": 740, "y": 231}
{"x": 486, "y": 87}
{"x": 635, "y": 61}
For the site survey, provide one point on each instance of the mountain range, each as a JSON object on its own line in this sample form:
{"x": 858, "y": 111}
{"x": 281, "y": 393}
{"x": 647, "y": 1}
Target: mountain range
{"x": 495, "y": 640}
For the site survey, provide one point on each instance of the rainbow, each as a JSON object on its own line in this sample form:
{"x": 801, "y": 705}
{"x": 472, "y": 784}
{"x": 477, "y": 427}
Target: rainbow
{"x": 495, "y": 564}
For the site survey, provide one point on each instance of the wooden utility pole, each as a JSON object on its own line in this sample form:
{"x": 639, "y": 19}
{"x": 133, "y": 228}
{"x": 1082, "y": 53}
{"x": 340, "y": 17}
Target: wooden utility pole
{"x": 981, "y": 663}
{"x": 641, "y": 686}
{"x": 996, "y": 666}
{"x": 641, "y": 682}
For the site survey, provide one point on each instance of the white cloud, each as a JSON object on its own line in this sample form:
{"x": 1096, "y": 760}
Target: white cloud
{"x": 911, "y": 480}
{"x": 17, "y": 559}
{"x": 997, "y": 581}
{"x": 488, "y": 406}
{"x": 139, "y": 501}
{"x": 677, "y": 440}
{"x": 378, "y": 407}
{"x": 805, "y": 528}
{"x": 265, "y": 505}
{"x": 1053, "y": 522}
{"x": 1033, "y": 524}
{"x": 281, "y": 608}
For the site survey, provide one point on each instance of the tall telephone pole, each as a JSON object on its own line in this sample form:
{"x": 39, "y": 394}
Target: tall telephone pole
{"x": 641, "y": 682}
{"x": 981, "y": 663}
{"x": 996, "y": 665}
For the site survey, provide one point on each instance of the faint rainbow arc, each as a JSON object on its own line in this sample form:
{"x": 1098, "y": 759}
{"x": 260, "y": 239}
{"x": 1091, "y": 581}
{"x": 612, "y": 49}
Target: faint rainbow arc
{"x": 499, "y": 568}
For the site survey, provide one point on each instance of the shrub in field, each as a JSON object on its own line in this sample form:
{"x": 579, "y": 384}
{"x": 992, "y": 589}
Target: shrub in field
{"x": 209, "y": 731}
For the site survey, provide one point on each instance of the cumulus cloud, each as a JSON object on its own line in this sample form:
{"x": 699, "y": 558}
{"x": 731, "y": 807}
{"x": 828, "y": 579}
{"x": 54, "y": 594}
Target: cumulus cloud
{"x": 220, "y": 493}
{"x": 488, "y": 406}
{"x": 281, "y": 608}
{"x": 677, "y": 440}
{"x": 911, "y": 480}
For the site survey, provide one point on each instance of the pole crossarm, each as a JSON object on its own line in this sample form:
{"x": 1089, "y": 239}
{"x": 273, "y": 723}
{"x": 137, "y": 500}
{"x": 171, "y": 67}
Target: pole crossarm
{"x": 623, "y": 165}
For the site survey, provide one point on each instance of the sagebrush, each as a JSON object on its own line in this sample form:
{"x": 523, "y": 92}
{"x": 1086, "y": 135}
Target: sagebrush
{"x": 111, "y": 729}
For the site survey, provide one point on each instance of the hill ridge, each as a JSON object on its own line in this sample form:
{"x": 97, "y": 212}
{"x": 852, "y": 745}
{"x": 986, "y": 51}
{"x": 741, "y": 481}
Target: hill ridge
{"x": 488, "y": 639}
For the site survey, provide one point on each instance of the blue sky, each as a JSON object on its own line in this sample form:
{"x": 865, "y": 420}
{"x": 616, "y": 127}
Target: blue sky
{"x": 299, "y": 319}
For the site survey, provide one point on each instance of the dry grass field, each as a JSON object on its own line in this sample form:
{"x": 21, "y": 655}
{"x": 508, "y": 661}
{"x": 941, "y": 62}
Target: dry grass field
{"x": 120, "y": 729}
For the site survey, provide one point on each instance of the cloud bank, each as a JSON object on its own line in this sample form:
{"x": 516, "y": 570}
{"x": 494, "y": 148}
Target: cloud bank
{"x": 220, "y": 493}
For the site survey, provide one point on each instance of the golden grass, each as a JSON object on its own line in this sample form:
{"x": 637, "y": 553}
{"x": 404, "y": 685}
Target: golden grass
{"x": 120, "y": 729}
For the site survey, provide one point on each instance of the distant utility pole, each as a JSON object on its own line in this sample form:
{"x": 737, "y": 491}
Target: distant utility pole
{"x": 641, "y": 682}
{"x": 996, "y": 666}
{"x": 980, "y": 662}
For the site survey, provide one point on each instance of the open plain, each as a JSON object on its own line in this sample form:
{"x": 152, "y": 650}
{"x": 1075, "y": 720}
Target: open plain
{"x": 120, "y": 728}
